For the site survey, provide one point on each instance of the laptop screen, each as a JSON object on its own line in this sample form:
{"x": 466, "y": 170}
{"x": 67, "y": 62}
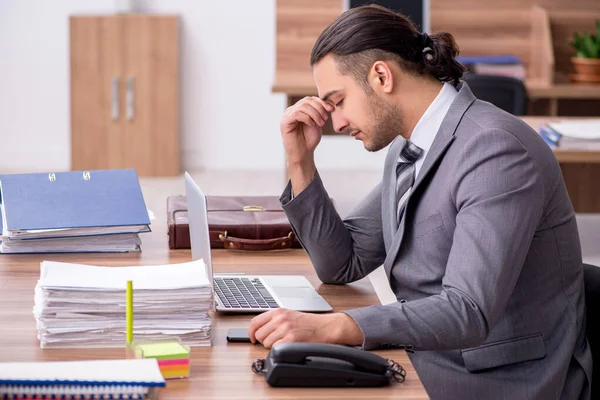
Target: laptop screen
{"x": 198, "y": 220}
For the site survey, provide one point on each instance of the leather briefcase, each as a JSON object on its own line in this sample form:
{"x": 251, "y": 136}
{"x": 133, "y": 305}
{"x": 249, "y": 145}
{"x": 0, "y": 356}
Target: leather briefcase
{"x": 234, "y": 222}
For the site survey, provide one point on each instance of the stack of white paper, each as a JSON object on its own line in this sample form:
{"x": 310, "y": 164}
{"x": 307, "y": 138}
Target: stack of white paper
{"x": 584, "y": 129}
{"x": 84, "y": 306}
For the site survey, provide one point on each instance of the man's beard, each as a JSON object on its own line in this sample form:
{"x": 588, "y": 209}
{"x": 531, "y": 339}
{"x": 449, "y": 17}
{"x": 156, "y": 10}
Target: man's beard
{"x": 387, "y": 123}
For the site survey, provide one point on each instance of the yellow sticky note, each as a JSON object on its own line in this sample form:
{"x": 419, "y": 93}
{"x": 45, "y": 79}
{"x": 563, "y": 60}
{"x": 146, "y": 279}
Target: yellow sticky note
{"x": 163, "y": 351}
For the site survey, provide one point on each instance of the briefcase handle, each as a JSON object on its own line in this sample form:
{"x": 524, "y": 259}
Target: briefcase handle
{"x": 234, "y": 243}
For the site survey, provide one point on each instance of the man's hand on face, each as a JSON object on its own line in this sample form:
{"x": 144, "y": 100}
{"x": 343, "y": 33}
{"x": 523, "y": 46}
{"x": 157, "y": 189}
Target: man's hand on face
{"x": 301, "y": 128}
{"x": 282, "y": 325}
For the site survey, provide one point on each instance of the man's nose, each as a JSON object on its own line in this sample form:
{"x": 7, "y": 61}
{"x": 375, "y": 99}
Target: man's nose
{"x": 339, "y": 123}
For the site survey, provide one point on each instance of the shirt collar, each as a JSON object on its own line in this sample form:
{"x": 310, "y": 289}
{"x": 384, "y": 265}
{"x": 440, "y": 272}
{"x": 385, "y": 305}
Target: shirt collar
{"x": 426, "y": 129}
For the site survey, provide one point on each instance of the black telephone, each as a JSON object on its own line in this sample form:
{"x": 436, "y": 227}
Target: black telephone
{"x": 326, "y": 365}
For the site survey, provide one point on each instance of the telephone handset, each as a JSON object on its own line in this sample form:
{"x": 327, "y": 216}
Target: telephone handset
{"x": 326, "y": 365}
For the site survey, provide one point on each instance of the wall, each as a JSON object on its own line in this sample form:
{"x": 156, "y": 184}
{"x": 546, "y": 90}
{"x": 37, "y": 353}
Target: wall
{"x": 229, "y": 117}
{"x": 34, "y": 82}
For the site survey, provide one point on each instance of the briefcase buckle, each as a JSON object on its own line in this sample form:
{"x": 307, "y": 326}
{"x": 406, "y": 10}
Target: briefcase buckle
{"x": 253, "y": 208}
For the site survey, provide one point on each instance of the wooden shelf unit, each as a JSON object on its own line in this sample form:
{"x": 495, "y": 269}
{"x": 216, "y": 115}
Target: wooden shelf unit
{"x": 125, "y": 93}
{"x": 539, "y": 35}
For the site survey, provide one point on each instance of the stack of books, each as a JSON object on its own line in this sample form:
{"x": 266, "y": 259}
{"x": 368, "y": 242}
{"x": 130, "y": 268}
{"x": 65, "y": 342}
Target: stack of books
{"x": 86, "y": 211}
{"x": 75, "y": 380}
{"x": 499, "y": 65}
{"x": 581, "y": 134}
{"x": 80, "y": 306}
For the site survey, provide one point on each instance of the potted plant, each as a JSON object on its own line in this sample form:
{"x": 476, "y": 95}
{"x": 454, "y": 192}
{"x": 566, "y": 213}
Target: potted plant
{"x": 587, "y": 58}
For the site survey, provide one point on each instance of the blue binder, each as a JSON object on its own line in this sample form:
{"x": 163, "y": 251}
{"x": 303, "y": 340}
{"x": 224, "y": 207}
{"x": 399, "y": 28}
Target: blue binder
{"x": 494, "y": 59}
{"x": 550, "y": 134}
{"x": 104, "y": 201}
{"x": 548, "y": 138}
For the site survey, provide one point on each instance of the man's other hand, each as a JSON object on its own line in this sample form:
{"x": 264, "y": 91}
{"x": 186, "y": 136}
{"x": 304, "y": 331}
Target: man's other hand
{"x": 282, "y": 325}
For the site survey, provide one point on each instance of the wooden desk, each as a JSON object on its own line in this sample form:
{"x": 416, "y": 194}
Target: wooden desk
{"x": 580, "y": 168}
{"x": 573, "y": 155}
{"x": 218, "y": 372}
{"x": 561, "y": 90}
{"x": 537, "y": 90}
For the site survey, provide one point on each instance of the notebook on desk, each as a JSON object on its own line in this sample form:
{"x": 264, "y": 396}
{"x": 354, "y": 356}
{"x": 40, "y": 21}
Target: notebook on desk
{"x": 246, "y": 293}
{"x": 101, "y": 379}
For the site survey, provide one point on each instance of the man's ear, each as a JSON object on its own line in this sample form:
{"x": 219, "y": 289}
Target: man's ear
{"x": 381, "y": 77}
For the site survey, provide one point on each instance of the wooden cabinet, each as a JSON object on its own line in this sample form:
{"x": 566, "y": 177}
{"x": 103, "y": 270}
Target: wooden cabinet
{"x": 125, "y": 93}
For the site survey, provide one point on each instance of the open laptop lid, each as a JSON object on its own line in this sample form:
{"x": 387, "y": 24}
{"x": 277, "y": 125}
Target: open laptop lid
{"x": 198, "y": 220}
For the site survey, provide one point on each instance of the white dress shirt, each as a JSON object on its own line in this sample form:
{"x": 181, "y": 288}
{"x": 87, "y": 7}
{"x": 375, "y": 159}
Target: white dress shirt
{"x": 431, "y": 121}
{"x": 426, "y": 129}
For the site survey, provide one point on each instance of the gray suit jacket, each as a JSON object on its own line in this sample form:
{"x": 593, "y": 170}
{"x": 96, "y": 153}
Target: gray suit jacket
{"x": 486, "y": 264}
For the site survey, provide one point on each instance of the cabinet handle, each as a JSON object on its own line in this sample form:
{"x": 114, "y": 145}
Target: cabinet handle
{"x": 130, "y": 98}
{"x": 114, "y": 109}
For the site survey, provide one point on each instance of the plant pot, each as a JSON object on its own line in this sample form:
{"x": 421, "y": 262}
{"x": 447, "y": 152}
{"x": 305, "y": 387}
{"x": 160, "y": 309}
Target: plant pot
{"x": 586, "y": 66}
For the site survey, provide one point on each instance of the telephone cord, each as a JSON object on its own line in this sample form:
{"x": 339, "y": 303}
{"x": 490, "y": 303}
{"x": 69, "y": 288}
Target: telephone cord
{"x": 395, "y": 372}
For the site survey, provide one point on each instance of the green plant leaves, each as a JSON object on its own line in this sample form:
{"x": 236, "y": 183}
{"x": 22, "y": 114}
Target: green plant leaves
{"x": 587, "y": 45}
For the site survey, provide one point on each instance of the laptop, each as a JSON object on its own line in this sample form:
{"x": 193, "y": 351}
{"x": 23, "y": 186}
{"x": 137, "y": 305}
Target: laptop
{"x": 245, "y": 293}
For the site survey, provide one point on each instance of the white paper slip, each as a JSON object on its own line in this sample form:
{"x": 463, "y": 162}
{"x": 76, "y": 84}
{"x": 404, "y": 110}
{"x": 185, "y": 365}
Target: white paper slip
{"x": 153, "y": 277}
{"x": 579, "y": 129}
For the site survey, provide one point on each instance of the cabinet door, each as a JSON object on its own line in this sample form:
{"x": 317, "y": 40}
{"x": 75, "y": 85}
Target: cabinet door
{"x": 96, "y": 99}
{"x": 151, "y": 75}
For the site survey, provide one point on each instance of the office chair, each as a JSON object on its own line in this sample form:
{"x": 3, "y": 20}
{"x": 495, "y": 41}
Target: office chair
{"x": 591, "y": 279}
{"x": 504, "y": 92}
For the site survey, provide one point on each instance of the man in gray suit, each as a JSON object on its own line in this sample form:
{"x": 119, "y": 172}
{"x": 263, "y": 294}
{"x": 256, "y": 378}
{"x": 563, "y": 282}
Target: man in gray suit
{"x": 471, "y": 221}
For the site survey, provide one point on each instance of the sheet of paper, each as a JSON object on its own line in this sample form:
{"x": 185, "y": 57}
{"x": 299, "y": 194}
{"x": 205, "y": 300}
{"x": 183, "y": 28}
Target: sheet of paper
{"x": 155, "y": 277}
{"x": 579, "y": 129}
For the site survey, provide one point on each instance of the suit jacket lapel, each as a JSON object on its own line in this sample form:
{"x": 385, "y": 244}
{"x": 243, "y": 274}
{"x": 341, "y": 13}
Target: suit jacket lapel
{"x": 388, "y": 196}
{"x": 443, "y": 139}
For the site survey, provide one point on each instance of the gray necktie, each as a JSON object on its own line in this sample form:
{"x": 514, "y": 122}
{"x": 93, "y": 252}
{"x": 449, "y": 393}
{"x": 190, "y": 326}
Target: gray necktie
{"x": 405, "y": 175}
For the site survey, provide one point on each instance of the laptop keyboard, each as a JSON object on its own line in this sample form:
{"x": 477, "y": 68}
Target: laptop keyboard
{"x": 243, "y": 293}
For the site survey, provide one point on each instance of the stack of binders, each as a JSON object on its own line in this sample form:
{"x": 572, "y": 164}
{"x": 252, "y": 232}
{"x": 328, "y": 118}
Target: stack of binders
{"x": 64, "y": 212}
{"x": 498, "y": 65}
